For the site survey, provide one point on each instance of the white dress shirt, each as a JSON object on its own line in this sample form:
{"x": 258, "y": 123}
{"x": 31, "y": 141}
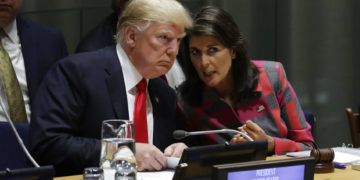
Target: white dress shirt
{"x": 131, "y": 79}
{"x": 12, "y": 45}
{"x": 175, "y": 76}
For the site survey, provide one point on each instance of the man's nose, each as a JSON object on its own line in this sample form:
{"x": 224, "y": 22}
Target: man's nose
{"x": 173, "y": 48}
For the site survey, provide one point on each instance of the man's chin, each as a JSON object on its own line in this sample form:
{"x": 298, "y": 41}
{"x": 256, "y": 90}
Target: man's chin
{"x": 159, "y": 72}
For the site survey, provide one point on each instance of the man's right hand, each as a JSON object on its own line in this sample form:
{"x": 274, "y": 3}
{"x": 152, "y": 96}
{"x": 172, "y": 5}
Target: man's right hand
{"x": 149, "y": 157}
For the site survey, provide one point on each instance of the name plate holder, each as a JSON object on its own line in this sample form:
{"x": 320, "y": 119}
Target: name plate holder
{"x": 290, "y": 168}
{"x": 197, "y": 162}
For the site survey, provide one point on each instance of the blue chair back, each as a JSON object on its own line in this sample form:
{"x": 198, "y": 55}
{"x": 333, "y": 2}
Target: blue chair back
{"x": 310, "y": 118}
{"x": 11, "y": 154}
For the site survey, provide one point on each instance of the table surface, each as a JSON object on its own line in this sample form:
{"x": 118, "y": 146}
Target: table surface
{"x": 347, "y": 173}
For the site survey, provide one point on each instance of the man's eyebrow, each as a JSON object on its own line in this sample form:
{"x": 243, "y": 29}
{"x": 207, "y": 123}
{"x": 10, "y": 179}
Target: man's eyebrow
{"x": 167, "y": 31}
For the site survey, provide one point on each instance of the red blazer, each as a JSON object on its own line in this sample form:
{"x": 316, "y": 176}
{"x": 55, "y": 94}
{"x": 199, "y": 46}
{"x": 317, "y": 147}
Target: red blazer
{"x": 277, "y": 112}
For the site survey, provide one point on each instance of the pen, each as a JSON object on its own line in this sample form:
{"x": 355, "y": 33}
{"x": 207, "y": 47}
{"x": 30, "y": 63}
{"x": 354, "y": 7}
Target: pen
{"x": 339, "y": 166}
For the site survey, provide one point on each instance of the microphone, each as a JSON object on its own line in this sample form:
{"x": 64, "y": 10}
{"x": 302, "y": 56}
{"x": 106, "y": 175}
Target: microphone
{"x": 181, "y": 134}
{"x": 18, "y": 138}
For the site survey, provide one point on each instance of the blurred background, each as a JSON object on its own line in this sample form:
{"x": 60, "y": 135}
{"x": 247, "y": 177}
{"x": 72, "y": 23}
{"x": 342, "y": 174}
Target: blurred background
{"x": 318, "y": 42}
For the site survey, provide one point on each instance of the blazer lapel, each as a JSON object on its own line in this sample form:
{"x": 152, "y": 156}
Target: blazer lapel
{"x": 30, "y": 54}
{"x": 116, "y": 85}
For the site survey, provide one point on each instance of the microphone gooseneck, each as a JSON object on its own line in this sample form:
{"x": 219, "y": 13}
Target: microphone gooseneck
{"x": 180, "y": 134}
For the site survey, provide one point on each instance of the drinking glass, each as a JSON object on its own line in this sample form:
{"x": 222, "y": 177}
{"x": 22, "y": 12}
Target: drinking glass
{"x": 93, "y": 173}
{"x": 118, "y": 148}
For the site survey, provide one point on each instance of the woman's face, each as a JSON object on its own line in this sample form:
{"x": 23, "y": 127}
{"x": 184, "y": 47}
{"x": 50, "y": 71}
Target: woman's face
{"x": 212, "y": 60}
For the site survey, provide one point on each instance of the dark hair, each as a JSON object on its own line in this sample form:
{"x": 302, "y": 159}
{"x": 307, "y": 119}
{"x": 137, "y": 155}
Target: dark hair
{"x": 218, "y": 23}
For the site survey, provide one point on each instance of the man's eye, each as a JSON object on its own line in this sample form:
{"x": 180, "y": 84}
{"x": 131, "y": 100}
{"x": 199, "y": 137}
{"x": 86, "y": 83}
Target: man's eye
{"x": 163, "y": 37}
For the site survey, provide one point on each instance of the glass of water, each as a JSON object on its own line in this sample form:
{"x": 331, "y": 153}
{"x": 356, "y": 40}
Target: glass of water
{"x": 118, "y": 148}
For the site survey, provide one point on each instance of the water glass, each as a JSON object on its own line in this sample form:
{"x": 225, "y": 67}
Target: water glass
{"x": 118, "y": 148}
{"x": 93, "y": 173}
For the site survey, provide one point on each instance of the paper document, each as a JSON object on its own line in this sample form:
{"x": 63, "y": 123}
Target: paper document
{"x": 172, "y": 162}
{"x": 109, "y": 174}
{"x": 299, "y": 154}
{"x": 346, "y": 155}
{"x": 342, "y": 155}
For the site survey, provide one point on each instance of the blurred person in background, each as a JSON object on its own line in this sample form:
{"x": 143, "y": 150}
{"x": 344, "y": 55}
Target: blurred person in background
{"x": 28, "y": 50}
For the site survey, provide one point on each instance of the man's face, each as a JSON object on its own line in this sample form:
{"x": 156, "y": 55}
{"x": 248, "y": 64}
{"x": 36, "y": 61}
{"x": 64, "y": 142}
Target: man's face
{"x": 154, "y": 49}
{"x": 8, "y": 11}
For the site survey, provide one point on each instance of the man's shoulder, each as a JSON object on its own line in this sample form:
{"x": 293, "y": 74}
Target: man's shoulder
{"x": 95, "y": 58}
{"x": 27, "y": 24}
{"x": 100, "y": 36}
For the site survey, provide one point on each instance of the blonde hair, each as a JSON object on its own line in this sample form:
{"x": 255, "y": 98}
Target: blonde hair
{"x": 139, "y": 13}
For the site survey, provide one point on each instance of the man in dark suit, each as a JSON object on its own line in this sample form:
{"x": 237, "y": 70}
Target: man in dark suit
{"x": 32, "y": 48}
{"x": 84, "y": 89}
{"x": 103, "y": 34}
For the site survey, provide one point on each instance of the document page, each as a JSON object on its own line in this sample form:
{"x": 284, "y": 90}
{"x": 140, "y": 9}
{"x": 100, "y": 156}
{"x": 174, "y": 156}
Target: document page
{"x": 156, "y": 175}
{"x": 343, "y": 155}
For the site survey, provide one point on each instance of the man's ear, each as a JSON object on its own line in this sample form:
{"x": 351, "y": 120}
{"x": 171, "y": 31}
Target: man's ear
{"x": 130, "y": 36}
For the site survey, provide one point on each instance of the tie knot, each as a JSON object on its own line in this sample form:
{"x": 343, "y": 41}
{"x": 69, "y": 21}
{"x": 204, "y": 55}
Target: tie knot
{"x": 141, "y": 86}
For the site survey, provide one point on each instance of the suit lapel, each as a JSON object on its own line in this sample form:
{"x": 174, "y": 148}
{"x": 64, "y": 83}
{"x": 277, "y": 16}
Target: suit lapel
{"x": 116, "y": 84}
{"x": 161, "y": 123}
{"x": 29, "y": 52}
{"x": 154, "y": 98}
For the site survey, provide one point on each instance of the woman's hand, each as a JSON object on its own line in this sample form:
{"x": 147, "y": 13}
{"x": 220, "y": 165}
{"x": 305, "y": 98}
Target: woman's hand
{"x": 255, "y": 132}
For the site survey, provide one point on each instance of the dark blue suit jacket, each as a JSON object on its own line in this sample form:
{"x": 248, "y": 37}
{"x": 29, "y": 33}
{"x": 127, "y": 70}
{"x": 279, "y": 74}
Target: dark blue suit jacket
{"x": 41, "y": 48}
{"x": 101, "y": 36}
{"x": 76, "y": 96}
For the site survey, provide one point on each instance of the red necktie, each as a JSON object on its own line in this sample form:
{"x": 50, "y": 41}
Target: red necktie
{"x": 140, "y": 122}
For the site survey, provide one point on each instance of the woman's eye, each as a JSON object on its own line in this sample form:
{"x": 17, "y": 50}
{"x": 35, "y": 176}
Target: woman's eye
{"x": 213, "y": 50}
{"x": 194, "y": 52}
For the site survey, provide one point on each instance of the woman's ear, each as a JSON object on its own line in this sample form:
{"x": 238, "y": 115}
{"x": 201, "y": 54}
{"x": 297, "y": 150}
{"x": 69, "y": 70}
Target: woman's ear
{"x": 130, "y": 36}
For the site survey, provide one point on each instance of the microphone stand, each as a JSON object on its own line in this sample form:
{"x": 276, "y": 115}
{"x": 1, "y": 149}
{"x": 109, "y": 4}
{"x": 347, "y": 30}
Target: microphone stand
{"x": 242, "y": 133}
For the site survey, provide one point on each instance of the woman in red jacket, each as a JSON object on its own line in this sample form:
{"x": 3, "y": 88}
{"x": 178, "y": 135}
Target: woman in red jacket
{"x": 224, "y": 89}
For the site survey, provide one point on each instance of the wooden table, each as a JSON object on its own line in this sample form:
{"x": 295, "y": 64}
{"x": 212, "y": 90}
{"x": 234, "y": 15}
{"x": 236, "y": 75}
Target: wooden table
{"x": 346, "y": 174}
{"x": 338, "y": 174}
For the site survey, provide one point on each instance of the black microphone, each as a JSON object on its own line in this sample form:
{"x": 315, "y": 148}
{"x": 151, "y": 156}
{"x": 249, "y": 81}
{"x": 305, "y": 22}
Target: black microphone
{"x": 181, "y": 134}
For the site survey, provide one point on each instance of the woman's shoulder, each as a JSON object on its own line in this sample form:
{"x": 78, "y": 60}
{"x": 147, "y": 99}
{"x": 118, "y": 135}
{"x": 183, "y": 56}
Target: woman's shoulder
{"x": 267, "y": 64}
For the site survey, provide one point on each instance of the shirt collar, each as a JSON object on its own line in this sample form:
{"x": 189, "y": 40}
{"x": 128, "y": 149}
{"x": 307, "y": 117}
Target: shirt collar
{"x": 131, "y": 76}
{"x": 12, "y": 32}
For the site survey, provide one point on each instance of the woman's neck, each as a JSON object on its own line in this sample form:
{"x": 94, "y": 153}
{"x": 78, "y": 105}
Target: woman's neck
{"x": 225, "y": 90}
